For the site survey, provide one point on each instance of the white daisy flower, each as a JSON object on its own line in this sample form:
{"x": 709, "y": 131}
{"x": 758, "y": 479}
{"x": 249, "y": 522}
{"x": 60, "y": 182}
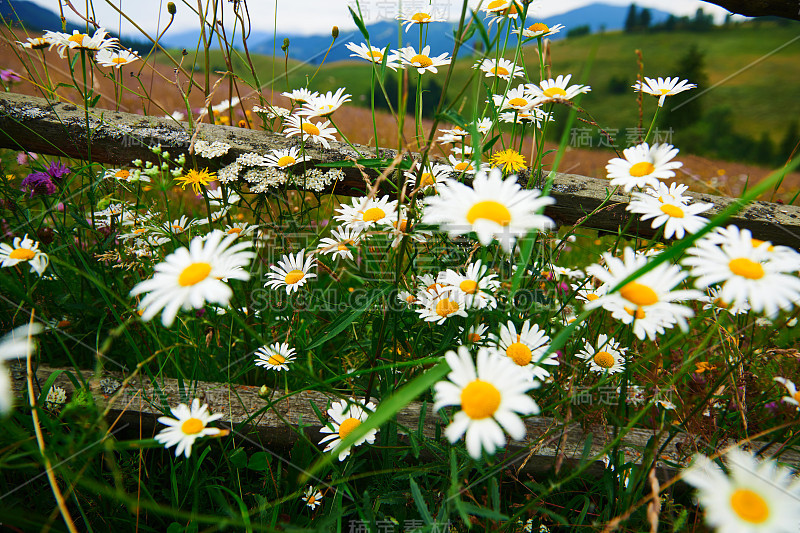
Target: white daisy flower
{"x": 677, "y": 218}
{"x": 500, "y": 68}
{"x": 478, "y": 285}
{"x": 422, "y": 61}
{"x": 517, "y": 99}
{"x": 458, "y": 165}
{"x": 285, "y": 158}
{"x": 526, "y": 348}
{"x": 643, "y": 166}
{"x": 722, "y": 235}
{"x": 748, "y": 271}
{"x": 275, "y": 357}
{"x": 35, "y": 43}
{"x": 533, "y": 116}
{"x": 80, "y": 41}
{"x": 494, "y": 208}
{"x": 565, "y": 272}
{"x": 406, "y": 297}
{"x": 300, "y": 96}
{"x": 605, "y": 355}
{"x": 190, "y": 277}
{"x": 794, "y": 395}
{"x": 121, "y": 174}
{"x": 189, "y": 424}
{"x": 672, "y": 193}
{"x": 649, "y": 301}
{"x": 417, "y": 17}
{"x": 475, "y": 334}
{"x": 374, "y": 54}
{"x": 496, "y": 6}
{"x": 312, "y": 497}
{"x": 484, "y": 125}
{"x": 291, "y": 272}
{"x": 180, "y": 225}
{"x": 663, "y": 87}
{"x": 438, "y": 307}
{"x": 345, "y": 417}
{"x": 324, "y": 105}
{"x": 491, "y": 395}
{"x": 241, "y": 229}
{"x": 316, "y": 132}
{"x": 365, "y": 212}
{"x": 215, "y": 197}
{"x": 339, "y": 241}
{"x": 116, "y": 58}
{"x": 226, "y": 105}
{"x": 429, "y": 177}
{"x": 23, "y": 250}
{"x": 556, "y": 90}
{"x": 757, "y": 496}
{"x": 713, "y": 300}
{"x": 539, "y": 29}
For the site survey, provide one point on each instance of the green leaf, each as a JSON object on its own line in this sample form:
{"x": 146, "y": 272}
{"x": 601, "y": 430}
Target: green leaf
{"x": 259, "y": 461}
{"x": 422, "y": 507}
{"x": 359, "y": 23}
{"x": 238, "y": 458}
{"x": 337, "y": 326}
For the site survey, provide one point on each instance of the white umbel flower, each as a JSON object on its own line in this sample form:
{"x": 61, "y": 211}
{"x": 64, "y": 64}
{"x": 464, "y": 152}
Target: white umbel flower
{"x": 189, "y": 424}
{"x": 491, "y": 394}
{"x": 663, "y": 87}
{"x": 23, "y": 250}
{"x": 556, "y": 90}
{"x": 345, "y": 417}
{"x": 190, "y": 277}
{"x": 291, "y": 272}
{"x": 747, "y": 269}
{"x": 278, "y": 356}
{"x": 493, "y": 208}
{"x": 604, "y": 355}
{"x": 643, "y": 166}
{"x": 757, "y": 496}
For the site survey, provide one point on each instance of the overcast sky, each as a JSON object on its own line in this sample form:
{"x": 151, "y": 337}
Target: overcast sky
{"x": 317, "y": 16}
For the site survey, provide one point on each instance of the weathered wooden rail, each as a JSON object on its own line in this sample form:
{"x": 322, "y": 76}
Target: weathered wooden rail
{"x": 140, "y": 401}
{"x": 34, "y": 124}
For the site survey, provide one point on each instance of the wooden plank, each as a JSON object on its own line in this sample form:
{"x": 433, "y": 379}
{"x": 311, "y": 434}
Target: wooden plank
{"x": 139, "y": 404}
{"x": 33, "y": 124}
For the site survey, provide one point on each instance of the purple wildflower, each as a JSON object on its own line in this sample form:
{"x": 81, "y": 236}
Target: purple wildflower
{"x": 57, "y": 170}
{"x": 38, "y": 183}
{"x": 9, "y": 76}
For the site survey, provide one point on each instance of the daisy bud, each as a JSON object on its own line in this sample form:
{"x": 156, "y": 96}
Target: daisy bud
{"x": 285, "y": 45}
{"x": 263, "y": 392}
{"x": 335, "y": 32}
{"x": 171, "y": 9}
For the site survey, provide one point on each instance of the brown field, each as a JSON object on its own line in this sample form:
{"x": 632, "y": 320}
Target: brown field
{"x": 157, "y": 90}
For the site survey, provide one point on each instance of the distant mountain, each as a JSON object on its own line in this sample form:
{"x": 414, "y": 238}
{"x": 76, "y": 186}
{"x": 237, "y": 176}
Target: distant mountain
{"x": 311, "y": 48}
{"x": 190, "y": 38}
{"x": 32, "y": 16}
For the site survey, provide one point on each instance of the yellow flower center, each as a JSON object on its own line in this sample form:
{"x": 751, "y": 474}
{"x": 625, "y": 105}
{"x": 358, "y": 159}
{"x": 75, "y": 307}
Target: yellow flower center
{"x": 421, "y": 18}
{"x": 446, "y": 307}
{"x": 119, "y": 60}
{"x": 427, "y": 180}
{"x": 749, "y": 506}
{"x": 310, "y": 128}
{"x": 672, "y": 211}
{"x": 539, "y": 26}
{"x": 410, "y": 298}
{"x": 374, "y": 214}
{"x": 234, "y": 230}
{"x": 500, "y": 71}
{"x": 604, "y": 359}
{"x": 639, "y": 294}
{"x": 462, "y": 166}
{"x": 664, "y": 91}
{"x": 341, "y": 247}
{"x": 311, "y": 500}
{"x": 489, "y": 210}
{"x": 78, "y": 38}
{"x": 796, "y": 396}
{"x": 293, "y": 277}
{"x": 591, "y": 297}
{"x": 286, "y": 160}
{"x": 375, "y": 55}
{"x": 480, "y": 399}
{"x": 474, "y": 337}
{"x": 402, "y": 226}
{"x": 638, "y": 313}
{"x": 347, "y": 427}
{"x": 122, "y": 174}
{"x": 192, "y": 426}
{"x": 276, "y": 359}
{"x": 518, "y": 102}
{"x": 519, "y": 353}
{"x": 759, "y": 242}
{"x": 746, "y": 268}
{"x": 643, "y": 168}
{"x": 469, "y": 286}
{"x": 421, "y": 60}
{"x": 194, "y": 274}
{"x": 494, "y": 4}
{"x": 22, "y": 254}
{"x": 553, "y": 92}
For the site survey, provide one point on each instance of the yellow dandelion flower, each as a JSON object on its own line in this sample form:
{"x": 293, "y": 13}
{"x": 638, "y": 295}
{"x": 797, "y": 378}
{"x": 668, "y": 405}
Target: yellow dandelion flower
{"x": 196, "y": 178}
{"x": 509, "y": 160}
